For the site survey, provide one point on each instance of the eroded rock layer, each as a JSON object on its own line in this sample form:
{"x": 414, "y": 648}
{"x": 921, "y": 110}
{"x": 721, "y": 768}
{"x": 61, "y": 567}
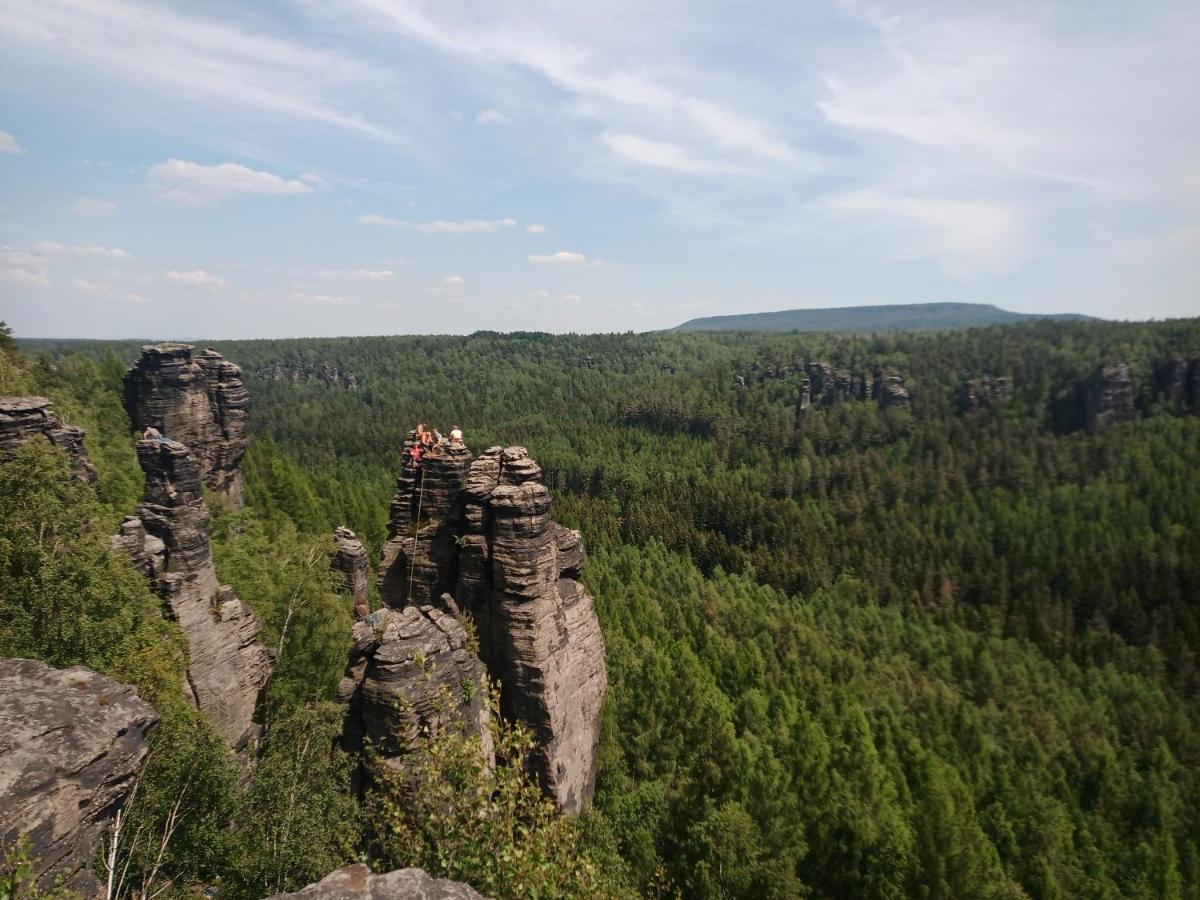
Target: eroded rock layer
{"x": 410, "y": 670}
{"x": 71, "y": 745}
{"x": 198, "y": 400}
{"x": 23, "y": 419}
{"x": 169, "y": 541}
{"x": 357, "y": 882}
{"x": 1108, "y": 396}
{"x": 484, "y": 532}
{"x": 351, "y": 563}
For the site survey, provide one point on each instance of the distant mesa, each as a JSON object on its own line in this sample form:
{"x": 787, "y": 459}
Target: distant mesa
{"x": 901, "y": 317}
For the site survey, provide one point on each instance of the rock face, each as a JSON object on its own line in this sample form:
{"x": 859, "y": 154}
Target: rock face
{"x": 71, "y": 745}
{"x": 23, "y": 419}
{"x": 199, "y": 401}
{"x": 984, "y": 392}
{"x": 484, "y": 533}
{"x": 890, "y": 390}
{"x": 301, "y": 372}
{"x": 357, "y": 882}
{"x": 1108, "y": 397}
{"x": 350, "y": 561}
{"x": 400, "y": 664}
{"x": 1178, "y": 382}
{"x": 169, "y": 541}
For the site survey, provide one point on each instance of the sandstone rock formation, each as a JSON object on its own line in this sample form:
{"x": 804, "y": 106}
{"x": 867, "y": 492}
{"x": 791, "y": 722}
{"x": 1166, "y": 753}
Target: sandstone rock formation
{"x": 169, "y": 540}
{"x": 350, "y": 560}
{"x": 302, "y": 372}
{"x": 482, "y": 530}
{"x": 71, "y": 745}
{"x": 357, "y": 882}
{"x": 409, "y": 670}
{"x": 1108, "y": 397}
{"x": 199, "y": 401}
{"x": 890, "y": 390}
{"x": 1178, "y": 382}
{"x": 22, "y": 419}
{"x": 984, "y": 392}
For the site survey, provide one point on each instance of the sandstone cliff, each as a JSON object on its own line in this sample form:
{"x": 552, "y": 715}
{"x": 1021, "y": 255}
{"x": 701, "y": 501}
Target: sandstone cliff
{"x": 409, "y": 671}
{"x": 169, "y": 541}
{"x": 22, "y": 419}
{"x": 350, "y": 561}
{"x": 357, "y": 882}
{"x": 199, "y": 401}
{"x": 481, "y": 530}
{"x": 984, "y": 392}
{"x": 71, "y": 745}
{"x": 1108, "y": 397}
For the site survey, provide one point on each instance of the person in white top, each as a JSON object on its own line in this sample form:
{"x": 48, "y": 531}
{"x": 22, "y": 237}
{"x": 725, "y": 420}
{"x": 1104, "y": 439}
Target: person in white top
{"x": 456, "y": 435}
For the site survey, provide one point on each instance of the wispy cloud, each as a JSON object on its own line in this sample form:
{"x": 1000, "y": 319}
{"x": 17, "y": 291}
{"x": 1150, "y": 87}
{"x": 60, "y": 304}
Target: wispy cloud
{"x": 442, "y": 226}
{"x": 560, "y": 258}
{"x": 53, "y": 248}
{"x": 536, "y": 229}
{"x": 182, "y": 56}
{"x": 183, "y": 183}
{"x": 22, "y": 267}
{"x": 197, "y": 278}
{"x": 492, "y": 117}
{"x": 93, "y": 207}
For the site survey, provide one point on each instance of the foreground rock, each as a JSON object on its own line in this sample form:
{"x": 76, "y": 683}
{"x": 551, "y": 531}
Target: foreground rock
{"x": 71, "y": 745}
{"x": 482, "y": 530}
{"x": 357, "y": 882}
{"x": 350, "y": 561}
{"x": 169, "y": 541}
{"x": 23, "y": 419}
{"x": 199, "y": 401}
{"x": 411, "y": 671}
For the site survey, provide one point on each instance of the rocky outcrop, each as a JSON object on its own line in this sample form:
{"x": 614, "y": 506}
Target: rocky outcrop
{"x": 481, "y": 529}
{"x": 357, "y": 882}
{"x": 351, "y": 563}
{"x": 298, "y": 373}
{"x": 1108, "y": 397}
{"x": 23, "y": 419}
{"x": 198, "y": 400}
{"x": 410, "y": 671}
{"x": 984, "y": 392}
{"x": 169, "y": 541}
{"x": 71, "y": 745}
{"x": 890, "y": 390}
{"x": 1178, "y": 382}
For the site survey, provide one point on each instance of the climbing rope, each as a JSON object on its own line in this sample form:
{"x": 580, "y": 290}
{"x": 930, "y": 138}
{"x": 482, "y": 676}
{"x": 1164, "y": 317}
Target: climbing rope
{"x": 412, "y": 566}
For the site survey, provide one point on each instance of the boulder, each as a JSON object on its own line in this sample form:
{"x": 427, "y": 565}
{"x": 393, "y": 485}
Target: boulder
{"x": 198, "y": 400}
{"x": 23, "y": 419}
{"x": 350, "y": 561}
{"x": 403, "y": 666}
{"x": 357, "y": 882}
{"x": 169, "y": 541}
{"x": 71, "y": 745}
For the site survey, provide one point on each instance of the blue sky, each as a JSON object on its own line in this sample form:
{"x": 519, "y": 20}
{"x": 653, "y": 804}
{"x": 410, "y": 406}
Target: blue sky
{"x": 321, "y": 167}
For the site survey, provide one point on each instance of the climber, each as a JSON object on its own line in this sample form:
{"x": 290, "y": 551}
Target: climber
{"x": 438, "y": 438}
{"x": 414, "y": 453}
{"x": 153, "y": 434}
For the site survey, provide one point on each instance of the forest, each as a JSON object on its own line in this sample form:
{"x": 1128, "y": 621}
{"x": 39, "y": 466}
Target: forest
{"x": 936, "y": 649}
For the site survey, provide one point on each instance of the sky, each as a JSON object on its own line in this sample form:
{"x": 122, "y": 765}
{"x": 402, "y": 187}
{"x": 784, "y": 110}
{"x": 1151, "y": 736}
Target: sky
{"x": 288, "y": 168}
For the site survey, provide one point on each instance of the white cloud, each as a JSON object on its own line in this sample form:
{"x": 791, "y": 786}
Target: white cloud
{"x": 571, "y": 298}
{"x": 318, "y": 299}
{"x": 53, "y": 248}
{"x": 183, "y": 183}
{"x": 492, "y": 117}
{"x": 453, "y": 280}
{"x": 442, "y": 226}
{"x": 377, "y": 219}
{"x": 364, "y": 274}
{"x": 465, "y": 226}
{"x": 8, "y": 144}
{"x": 536, "y": 229}
{"x": 197, "y": 278}
{"x": 93, "y": 207}
{"x": 23, "y": 267}
{"x": 561, "y": 258}
{"x": 90, "y": 287}
{"x": 315, "y": 180}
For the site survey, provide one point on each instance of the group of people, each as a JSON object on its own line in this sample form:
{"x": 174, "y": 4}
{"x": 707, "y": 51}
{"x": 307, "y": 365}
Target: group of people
{"x": 428, "y": 440}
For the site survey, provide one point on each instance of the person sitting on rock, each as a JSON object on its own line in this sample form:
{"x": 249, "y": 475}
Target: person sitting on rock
{"x": 438, "y": 438}
{"x": 153, "y": 434}
{"x": 456, "y": 435}
{"x": 414, "y": 453}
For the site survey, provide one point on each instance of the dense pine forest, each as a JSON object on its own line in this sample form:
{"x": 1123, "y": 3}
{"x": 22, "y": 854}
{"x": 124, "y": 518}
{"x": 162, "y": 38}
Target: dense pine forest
{"x": 940, "y": 649}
